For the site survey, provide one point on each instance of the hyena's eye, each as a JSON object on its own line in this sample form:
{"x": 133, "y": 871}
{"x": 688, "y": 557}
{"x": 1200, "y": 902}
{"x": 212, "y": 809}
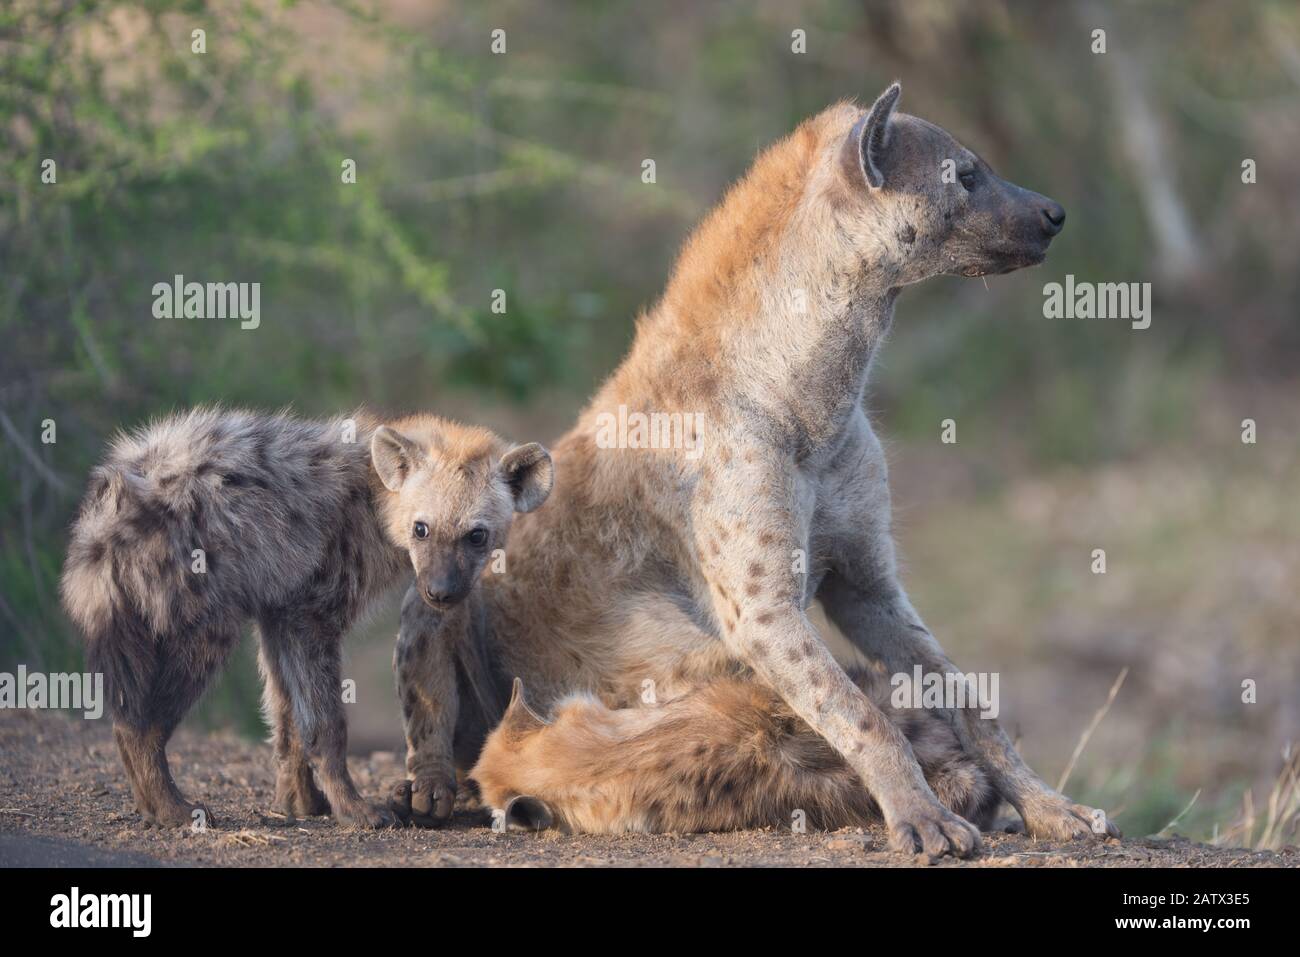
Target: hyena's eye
{"x": 968, "y": 180}
{"x": 421, "y": 530}
{"x": 478, "y": 537}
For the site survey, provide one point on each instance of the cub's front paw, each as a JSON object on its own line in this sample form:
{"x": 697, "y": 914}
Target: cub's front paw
{"x": 426, "y": 801}
{"x": 1057, "y": 818}
{"x": 927, "y": 827}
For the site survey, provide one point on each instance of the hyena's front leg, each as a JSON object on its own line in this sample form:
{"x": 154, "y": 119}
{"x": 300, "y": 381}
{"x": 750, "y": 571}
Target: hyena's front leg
{"x": 758, "y": 605}
{"x": 304, "y": 658}
{"x": 425, "y": 670}
{"x": 881, "y": 622}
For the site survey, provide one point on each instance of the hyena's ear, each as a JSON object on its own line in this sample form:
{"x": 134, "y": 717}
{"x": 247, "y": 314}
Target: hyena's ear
{"x": 529, "y": 473}
{"x": 524, "y": 812}
{"x": 870, "y": 136}
{"x": 395, "y": 456}
{"x": 520, "y": 718}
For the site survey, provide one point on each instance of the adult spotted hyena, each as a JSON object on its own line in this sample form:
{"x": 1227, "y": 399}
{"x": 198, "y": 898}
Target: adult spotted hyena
{"x": 689, "y": 567}
{"x": 205, "y": 520}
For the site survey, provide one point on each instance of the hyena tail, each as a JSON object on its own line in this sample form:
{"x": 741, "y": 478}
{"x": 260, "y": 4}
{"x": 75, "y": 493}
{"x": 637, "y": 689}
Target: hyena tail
{"x": 96, "y": 589}
{"x": 124, "y": 586}
{"x": 727, "y": 755}
{"x": 123, "y": 652}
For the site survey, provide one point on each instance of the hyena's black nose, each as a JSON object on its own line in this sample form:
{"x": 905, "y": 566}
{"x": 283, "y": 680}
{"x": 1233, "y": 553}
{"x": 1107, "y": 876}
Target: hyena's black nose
{"x": 1053, "y": 218}
{"x": 442, "y": 594}
{"x": 446, "y": 590}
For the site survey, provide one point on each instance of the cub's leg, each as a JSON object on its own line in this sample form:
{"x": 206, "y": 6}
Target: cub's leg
{"x": 302, "y": 656}
{"x": 296, "y": 793}
{"x": 424, "y": 666}
{"x": 150, "y": 710}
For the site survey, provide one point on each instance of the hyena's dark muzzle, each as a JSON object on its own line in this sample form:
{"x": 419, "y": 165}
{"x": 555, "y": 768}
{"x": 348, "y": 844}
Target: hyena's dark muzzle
{"x": 444, "y": 584}
{"x": 1013, "y": 227}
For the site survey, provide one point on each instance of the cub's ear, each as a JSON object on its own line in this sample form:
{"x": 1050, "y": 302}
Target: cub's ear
{"x": 870, "y": 136}
{"x": 519, "y": 713}
{"x": 395, "y": 456}
{"x": 529, "y": 473}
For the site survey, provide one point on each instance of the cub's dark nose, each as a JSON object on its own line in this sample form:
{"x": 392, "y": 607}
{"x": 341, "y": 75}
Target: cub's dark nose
{"x": 443, "y": 595}
{"x": 1053, "y": 218}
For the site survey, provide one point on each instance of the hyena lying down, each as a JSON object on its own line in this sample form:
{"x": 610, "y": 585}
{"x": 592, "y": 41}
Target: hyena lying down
{"x": 204, "y": 520}
{"x": 729, "y": 755}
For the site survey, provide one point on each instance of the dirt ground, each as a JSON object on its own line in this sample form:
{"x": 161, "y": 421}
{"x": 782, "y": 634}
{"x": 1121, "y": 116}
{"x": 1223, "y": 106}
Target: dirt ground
{"x": 64, "y": 801}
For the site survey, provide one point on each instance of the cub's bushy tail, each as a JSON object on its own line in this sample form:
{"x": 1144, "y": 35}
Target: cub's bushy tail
{"x": 101, "y": 587}
{"x": 153, "y": 623}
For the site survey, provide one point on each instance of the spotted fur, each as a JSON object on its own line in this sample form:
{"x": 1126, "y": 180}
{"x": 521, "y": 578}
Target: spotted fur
{"x": 683, "y": 567}
{"x": 203, "y": 521}
{"x": 730, "y": 754}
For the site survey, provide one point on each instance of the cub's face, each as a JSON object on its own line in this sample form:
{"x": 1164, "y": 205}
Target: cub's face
{"x": 451, "y": 510}
{"x": 947, "y": 212}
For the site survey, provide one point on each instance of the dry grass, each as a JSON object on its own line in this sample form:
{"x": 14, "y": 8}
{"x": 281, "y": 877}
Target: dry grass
{"x": 1203, "y": 549}
{"x": 247, "y": 838}
{"x": 1092, "y": 726}
{"x": 1279, "y": 825}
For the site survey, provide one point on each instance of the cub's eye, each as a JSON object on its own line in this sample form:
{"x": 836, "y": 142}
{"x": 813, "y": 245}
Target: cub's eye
{"x": 421, "y": 530}
{"x": 967, "y": 180}
{"x": 478, "y": 537}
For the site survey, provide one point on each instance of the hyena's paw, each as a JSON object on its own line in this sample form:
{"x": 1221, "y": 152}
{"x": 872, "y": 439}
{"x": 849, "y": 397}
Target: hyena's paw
{"x": 177, "y": 813}
{"x": 363, "y": 815}
{"x": 296, "y": 797}
{"x": 927, "y": 827}
{"x": 424, "y": 802}
{"x": 1056, "y": 818}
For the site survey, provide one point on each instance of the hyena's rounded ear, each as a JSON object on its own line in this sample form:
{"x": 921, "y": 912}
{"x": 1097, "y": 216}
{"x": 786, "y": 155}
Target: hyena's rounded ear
{"x": 523, "y": 812}
{"x": 529, "y": 474}
{"x": 395, "y": 456}
{"x": 869, "y": 137}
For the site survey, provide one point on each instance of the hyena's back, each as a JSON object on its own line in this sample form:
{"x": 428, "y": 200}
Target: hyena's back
{"x": 728, "y": 755}
{"x": 259, "y": 495}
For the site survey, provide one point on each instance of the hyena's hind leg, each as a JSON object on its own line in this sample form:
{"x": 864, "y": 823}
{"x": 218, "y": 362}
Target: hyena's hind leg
{"x": 181, "y": 670}
{"x": 302, "y": 657}
{"x": 296, "y": 793}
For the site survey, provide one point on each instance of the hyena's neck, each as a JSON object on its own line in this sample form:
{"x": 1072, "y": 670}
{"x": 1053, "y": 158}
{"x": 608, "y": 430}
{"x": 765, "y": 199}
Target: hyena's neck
{"x": 790, "y": 335}
{"x": 807, "y": 363}
{"x": 777, "y": 303}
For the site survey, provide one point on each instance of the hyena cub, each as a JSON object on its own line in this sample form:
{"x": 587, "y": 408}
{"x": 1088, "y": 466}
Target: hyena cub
{"x": 204, "y": 520}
